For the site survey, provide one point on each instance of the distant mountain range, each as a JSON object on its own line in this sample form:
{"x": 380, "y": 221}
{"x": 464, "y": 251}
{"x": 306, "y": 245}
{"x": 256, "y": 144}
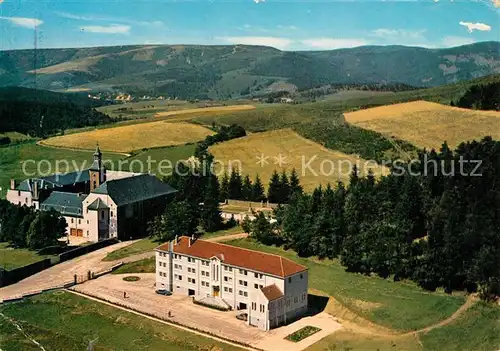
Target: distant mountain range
{"x": 194, "y": 71}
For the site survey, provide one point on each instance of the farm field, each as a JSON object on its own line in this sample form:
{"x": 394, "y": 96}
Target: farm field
{"x": 16, "y": 159}
{"x": 15, "y": 136}
{"x": 399, "y": 306}
{"x": 216, "y": 110}
{"x": 133, "y": 137}
{"x": 11, "y": 258}
{"x": 427, "y": 124}
{"x": 65, "y": 321}
{"x": 295, "y": 152}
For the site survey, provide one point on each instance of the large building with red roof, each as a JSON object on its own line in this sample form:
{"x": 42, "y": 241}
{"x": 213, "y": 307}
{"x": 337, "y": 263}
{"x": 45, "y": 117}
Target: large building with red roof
{"x": 272, "y": 290}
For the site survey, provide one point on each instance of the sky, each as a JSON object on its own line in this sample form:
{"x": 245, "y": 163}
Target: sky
{"x": 284, "y": 24}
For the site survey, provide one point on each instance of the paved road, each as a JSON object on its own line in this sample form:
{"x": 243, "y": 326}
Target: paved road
{"x": 63, "y": 272}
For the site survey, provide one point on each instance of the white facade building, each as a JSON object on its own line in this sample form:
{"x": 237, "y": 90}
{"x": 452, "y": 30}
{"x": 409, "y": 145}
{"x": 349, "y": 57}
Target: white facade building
{"x": 272, "y": 289}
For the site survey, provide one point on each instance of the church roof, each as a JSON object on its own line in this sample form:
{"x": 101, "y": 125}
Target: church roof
{"x": 68, "y": 204}
{"x": 134, "y": 189}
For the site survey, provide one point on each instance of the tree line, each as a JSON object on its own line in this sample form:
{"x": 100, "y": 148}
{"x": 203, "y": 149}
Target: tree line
{"x": 431, "y": 223}
{"x": 481, "y": 97}
{"x": 24, "y": 227}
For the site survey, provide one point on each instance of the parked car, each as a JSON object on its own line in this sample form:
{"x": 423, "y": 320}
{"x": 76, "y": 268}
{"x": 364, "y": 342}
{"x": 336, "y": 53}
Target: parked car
{"x": 163, "y": 292}
{"x": 242, "y": 317}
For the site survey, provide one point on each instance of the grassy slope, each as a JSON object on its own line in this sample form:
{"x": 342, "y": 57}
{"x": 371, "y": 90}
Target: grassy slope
{"x": 13, "y": 258}
{"x": 63, "y": 321}
{"x": 147, "y": 265}
{"x": 12, "y": 158}
{"x": 160, "y": 158}
{"x": 477, "y": 329}
{"x": 400, "y": 306}
{"x": 139, "y": 247}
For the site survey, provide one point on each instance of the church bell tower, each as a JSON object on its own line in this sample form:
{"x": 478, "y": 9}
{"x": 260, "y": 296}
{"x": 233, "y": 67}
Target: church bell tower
{"x": 97, "y": 171}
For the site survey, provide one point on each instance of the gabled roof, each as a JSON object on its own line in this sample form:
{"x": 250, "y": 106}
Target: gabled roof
{"x": 271, "y": 292}
{"x": 235, "y": 256}
{"x": 134, "y": 189}
{"x": 98, "y": 204}
{"x": 68, "y": 204}
{"x": 28, "y": 184}
{"x": 69, "y": 178}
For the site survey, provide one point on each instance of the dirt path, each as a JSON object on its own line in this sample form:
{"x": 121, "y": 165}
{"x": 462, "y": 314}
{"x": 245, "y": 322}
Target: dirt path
{"x": 219, "y": 239}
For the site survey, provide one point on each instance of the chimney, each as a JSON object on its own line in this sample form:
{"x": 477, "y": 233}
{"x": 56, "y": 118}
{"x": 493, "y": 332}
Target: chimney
{"x": 35, "y": 190}
{"x": 12, "y": 184}
{"x": 175, "y": 240}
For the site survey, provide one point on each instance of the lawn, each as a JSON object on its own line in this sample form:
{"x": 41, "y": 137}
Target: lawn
{"x": 11, "y": 258}
{"x": 427, "y": 124}
{"x": 477, "y": 329}
{"x": 64, "y": 321}
{"x": 195, "y": 112}
{"x": 133, "y": 137}
{"x": 314, "y": 163}
{"x": 397, "y": 305}
{"x": 139, "y": 247}
{"x": 26, "y": 160}
{"x": 147, "y": 265}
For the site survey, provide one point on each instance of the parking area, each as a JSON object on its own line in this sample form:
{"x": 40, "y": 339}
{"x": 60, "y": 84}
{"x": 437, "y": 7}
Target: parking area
{"x": 141, "y": 297}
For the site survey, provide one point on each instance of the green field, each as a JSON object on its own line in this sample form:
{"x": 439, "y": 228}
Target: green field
{"x": 147, "y": 265}
{"x": 16, "y": 159}
{"x": 477, "y": 329}
{"x": 139, "y": 247}
{"x": 64, "y": 321}
{"x": 11, "y": 258}
{"x": 160, "y": 157}
{"x": 400, "y": 306}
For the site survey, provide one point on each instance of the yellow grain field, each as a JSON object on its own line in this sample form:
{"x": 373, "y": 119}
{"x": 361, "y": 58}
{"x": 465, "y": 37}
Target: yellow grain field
{"x": 132, "y": 137}
{"x": 428, "y": 124}
{"x": 262, "y": 153}
{"x": 203, "y": 111}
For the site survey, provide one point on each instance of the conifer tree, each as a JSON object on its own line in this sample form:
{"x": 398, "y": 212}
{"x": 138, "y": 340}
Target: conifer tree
{"x": 247, "y": 188}
{"x": 258, "y": 190}
{"x": 274, "y": 190}
{"x": 295, "y": 186}
{"x": 235, "y": 185}
{"x": 284, "y": 192}
{"x": 224, "y": 188}
{"x": 211, "y": 219}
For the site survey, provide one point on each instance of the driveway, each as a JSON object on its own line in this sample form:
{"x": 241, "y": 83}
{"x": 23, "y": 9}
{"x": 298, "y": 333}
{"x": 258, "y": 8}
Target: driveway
{"x": 141, "y": 297}
{"x": 63, "y": 272}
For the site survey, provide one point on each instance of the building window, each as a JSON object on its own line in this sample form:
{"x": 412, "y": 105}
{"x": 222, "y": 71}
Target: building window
{"x": 258, "y": 275}
{"x": 295, "y": 299}
{"x": 177, "y": 266}
{"x": 254, "y": 306}
{"x": 205, "y": 263}
{"x": 244, "y": 272}
{"x": 72, "y": 220}
{"x": 289, "y": 279}
{"x": 243, "y": 293}
{"x": 191, "y": 260}
{"x": 256, "y": 286}
{"x": 243, "y": 282}
{"x": 79, "y": 221}
{"x": 262, "y": 308}
{"x": 111, "y": 213}
{"x": 301, "y": 276}
{"x": 191, "y": 280}
{"x": 88, "y": 221}
{"x": 228, "y": 279}
{"x": 192, "y": 270}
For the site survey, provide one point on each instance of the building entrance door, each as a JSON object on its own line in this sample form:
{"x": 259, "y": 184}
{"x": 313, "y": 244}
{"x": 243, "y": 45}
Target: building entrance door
{"x": 216, "y": 291}
{"x": 76, "y": 232}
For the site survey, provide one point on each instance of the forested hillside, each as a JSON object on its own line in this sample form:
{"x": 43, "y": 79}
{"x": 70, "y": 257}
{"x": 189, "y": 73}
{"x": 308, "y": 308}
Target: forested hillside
{"x": 481, "y": 97}
{"x": 41, "y": 113}
{"x": 230, "y": 71}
